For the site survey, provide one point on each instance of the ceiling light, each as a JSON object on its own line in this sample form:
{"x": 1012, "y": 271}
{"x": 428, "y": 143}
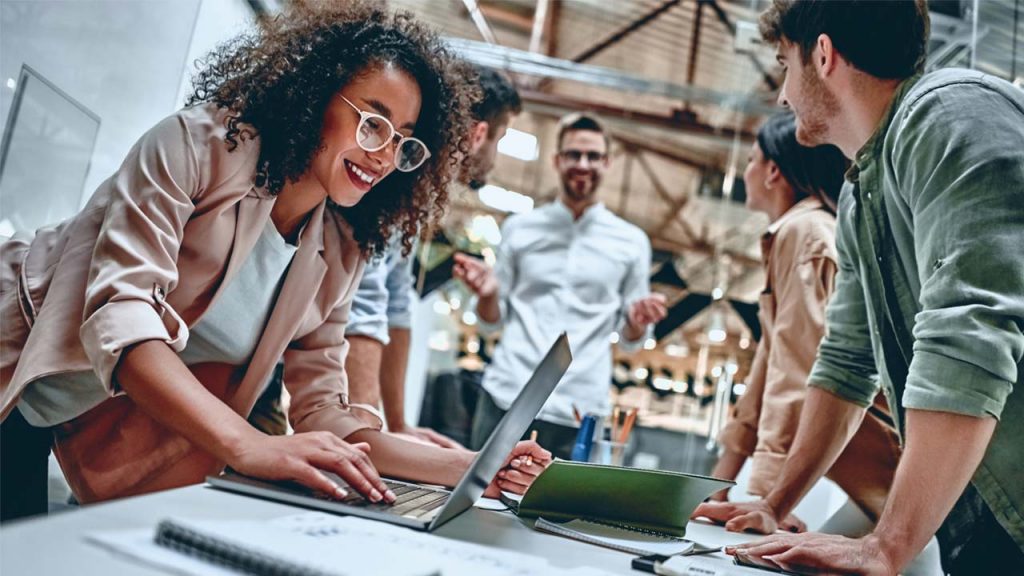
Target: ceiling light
{"x": 519, "y": 144}
{"x": 505, "y": 200}
{"x": 484, "y": 228}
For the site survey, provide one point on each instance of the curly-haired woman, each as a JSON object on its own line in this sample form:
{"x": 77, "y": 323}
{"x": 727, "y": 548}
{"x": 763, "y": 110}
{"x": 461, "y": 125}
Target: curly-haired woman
{"x": 137, "y": 334}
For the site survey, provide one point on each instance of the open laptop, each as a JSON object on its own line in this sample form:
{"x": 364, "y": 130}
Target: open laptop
{"x": 418, "y": 506}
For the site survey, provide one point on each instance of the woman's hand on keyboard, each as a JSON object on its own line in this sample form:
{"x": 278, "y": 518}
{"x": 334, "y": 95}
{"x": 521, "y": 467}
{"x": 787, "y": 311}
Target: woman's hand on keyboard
{"x": 302, "y": 458}
{"x": 521, "y": 468}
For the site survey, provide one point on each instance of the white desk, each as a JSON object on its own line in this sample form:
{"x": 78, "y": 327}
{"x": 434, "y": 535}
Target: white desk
{"x": 56, "y": 545}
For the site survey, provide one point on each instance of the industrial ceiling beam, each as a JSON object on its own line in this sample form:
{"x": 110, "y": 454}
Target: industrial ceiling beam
{"x": 691, "y": 69}
{"x": 626, "y": 30}
{"x": 539, "y": 25}
{"x": 529, "y": 63}
{"x": 724, "y": 19}
{"x": 500, "y": 15}
{"x": 681, "y": 122}
{"x": 481, "y": 23}
{"x": 672, "y": 153}
{"x": 675, "y": 205}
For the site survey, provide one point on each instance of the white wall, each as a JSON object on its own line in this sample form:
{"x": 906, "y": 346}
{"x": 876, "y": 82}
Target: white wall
{"x": 123, "y": 59}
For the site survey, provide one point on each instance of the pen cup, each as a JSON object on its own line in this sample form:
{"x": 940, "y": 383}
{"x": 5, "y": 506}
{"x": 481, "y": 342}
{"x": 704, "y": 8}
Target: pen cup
{"x": 609, "y": 453}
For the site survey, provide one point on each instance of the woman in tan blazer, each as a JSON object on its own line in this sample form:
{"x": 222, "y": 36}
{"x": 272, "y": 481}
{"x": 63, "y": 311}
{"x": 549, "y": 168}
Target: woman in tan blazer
{"x": 797, "y": 187}
{"x": 243, "y": 221}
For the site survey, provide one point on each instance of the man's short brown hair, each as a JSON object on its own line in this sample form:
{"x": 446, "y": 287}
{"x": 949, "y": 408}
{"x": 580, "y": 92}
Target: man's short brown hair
{"x": 580, "y": 121}
{"x": 884, "y": 39}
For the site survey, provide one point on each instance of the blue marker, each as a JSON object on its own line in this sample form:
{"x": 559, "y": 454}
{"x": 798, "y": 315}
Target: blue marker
{"x": 584, "y": 439}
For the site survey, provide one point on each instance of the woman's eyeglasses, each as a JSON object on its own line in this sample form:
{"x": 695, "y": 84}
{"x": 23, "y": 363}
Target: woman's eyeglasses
{"x": 374, "y": 132}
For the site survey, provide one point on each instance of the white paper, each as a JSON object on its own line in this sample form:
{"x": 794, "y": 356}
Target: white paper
{"x": 340, "y": 544}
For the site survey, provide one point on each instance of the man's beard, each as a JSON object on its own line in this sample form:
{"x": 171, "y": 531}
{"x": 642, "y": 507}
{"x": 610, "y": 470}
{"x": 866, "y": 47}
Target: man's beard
{"x": 820, "y": 105}
{"x": 473, "y": 173}
{"x": 581, "y": 195}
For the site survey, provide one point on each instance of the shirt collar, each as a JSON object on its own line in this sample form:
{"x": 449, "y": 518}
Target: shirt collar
{"x": 873, "y": 147}
{"x": 808, "y": 204}
{"x": 589, "y": 213}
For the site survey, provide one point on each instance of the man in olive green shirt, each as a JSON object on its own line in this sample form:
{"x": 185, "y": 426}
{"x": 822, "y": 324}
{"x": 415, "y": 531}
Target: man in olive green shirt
{"x": 929, "y": 303}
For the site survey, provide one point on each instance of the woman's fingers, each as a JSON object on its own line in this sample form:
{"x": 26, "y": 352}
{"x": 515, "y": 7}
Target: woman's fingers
{"x": 347, "y": 465}
{"x": 523, "y": 466}
{"x": 316, "y": 480}
{"x": 365, "y": 466}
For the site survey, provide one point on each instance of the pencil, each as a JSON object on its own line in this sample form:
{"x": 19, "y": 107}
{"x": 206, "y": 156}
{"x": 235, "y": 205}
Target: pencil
{"x": 576, "y": 414}
{"x": 533, "y": 438}
{"x": 627, "y": 427}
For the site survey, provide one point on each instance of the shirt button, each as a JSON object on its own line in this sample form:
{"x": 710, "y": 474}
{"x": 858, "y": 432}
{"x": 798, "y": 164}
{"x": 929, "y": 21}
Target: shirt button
{"x": 869, "y": 195}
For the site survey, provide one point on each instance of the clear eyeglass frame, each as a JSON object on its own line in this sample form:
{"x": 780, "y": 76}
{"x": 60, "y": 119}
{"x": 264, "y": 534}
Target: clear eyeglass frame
{"x": 403, "y": 163}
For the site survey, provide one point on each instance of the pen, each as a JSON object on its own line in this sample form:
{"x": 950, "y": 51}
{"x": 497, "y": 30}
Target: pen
{"x": 533, "y": 438}
{"x": 576, "y": 414}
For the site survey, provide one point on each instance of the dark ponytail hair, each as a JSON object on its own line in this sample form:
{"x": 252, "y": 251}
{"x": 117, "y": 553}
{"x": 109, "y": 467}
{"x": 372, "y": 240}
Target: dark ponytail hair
{"x": 814, "y": 171}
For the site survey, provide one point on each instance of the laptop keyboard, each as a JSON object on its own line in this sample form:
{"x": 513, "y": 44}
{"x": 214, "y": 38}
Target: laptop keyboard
{"x": 412, "y": 501}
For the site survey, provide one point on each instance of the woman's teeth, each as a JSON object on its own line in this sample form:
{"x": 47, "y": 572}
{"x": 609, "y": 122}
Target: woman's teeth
{"x": 362, "y": 175}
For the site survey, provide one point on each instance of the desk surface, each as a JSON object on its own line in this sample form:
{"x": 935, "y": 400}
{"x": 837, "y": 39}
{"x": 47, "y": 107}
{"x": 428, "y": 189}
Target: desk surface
{"x": 56, "y": 545}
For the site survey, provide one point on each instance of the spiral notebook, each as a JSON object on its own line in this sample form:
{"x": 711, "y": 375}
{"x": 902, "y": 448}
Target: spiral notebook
{"x": 259, "y": 548}
{"x": 639, "y": 542}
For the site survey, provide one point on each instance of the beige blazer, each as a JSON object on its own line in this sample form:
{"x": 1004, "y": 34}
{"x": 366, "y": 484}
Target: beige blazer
{"x": 800, "y": 261}
{"x": 144, "y": 260}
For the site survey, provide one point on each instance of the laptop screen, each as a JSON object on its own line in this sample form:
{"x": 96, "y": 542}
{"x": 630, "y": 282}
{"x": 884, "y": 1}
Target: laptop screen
{"x": 510, "y": 429}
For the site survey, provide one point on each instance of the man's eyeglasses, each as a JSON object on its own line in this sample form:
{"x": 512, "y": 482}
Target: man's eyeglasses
{"x": 374, "y": 132}
{"x": 577, "y": 156}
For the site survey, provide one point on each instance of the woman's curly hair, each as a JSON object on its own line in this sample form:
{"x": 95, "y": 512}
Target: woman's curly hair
{"x": 277, "y": 83}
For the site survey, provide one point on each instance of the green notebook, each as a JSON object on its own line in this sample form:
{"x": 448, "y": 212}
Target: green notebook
{"x": 647, "y": 500}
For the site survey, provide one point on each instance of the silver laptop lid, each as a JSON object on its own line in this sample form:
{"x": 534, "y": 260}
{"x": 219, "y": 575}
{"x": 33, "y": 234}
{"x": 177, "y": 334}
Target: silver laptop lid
{"x": 510, "y": 429}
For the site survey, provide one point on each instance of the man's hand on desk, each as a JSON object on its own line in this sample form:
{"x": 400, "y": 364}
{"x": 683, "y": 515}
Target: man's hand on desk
{"x": 756, "y": 516}
{"x": 301, "y": 457}
{"x": 520, "y": 469}
{"x": 820, "y": 554}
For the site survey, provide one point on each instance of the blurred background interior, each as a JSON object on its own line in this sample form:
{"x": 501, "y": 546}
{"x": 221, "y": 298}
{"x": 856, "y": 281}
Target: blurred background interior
{"x": 682, "y": 85}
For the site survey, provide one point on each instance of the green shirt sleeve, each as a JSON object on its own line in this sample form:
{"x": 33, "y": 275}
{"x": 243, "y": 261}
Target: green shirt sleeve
{"x": 846, "y": 363}
{"x": 958, "y": 160}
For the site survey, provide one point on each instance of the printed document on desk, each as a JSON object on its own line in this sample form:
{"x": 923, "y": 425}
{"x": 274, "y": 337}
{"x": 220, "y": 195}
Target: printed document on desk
{"x": 341, "y": 545}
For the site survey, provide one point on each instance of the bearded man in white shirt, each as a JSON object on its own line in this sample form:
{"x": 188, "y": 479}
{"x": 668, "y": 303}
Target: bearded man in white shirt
{"x": 572, "y": 266}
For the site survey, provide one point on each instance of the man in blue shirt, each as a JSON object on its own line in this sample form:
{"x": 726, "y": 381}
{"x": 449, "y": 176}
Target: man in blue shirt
{"x": 378, "y": 330}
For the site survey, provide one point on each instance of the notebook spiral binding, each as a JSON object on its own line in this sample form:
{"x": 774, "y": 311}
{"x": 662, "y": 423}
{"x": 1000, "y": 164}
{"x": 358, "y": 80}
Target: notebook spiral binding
{"x": 198, "y": 545}
{"x": 647, "y": 531}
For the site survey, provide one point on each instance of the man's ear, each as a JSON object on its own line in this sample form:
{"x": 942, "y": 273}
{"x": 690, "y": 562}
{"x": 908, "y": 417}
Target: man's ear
{"x": 824, "y": 57}
{"x": 479, "y": 136}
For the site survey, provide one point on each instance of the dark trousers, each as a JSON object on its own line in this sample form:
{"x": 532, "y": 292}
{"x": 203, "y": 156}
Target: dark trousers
{"x": 554, "y": 437}
{"x": 974, "y": 543}
{"x": 24, "y": 456}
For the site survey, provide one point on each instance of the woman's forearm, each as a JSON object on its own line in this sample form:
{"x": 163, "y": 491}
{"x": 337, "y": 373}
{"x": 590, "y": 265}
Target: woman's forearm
{"x": 158, "y": 382}
{"x": 408, "y": 460}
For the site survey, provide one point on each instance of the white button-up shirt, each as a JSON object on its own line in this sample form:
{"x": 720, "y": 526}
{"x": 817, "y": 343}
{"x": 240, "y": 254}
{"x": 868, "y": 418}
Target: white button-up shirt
{"x": 558, "y": 274}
